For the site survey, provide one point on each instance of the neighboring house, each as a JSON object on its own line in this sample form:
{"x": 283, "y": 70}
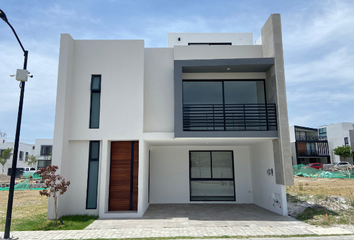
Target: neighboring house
{"x": 338, "y": 134}
{"x": 203, "y": 120}
{"x": 23, "y": 151}
{"x": 307, "y": 146}
{"x": 43, "y": 151}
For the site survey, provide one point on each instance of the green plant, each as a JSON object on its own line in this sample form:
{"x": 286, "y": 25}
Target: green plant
{"x": 343, "y": 151}
{"x": 55, "y": 185}
{"x": 5, "y": 155}
{"x": 31, "y": 159}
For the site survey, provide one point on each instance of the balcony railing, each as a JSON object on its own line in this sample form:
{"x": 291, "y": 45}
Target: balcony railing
{"x": 229, "y": 117}
{"x": 308, "y": 153}
{"x": 310, "y": 138}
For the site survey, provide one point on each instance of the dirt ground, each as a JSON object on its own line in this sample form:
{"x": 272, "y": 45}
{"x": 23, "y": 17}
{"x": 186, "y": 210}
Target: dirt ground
{"x": 4, "y": 178}
{"x": 326, "y": 186}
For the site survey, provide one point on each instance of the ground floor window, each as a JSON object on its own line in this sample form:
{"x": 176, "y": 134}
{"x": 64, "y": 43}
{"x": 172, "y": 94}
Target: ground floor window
{"x": 211, "y": 176}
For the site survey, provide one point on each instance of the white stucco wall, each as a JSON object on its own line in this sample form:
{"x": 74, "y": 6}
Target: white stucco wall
{"x": 158, "y": 90}
{"x": 75, "y": 169}
{"x": 170, "y": 173}
{"x": 264, "y": 188}
{"x": 185, "y": 38}
{"x": 217, "y": 52}
{"x": 335, "y": 137}
{"x": 39, "y": 143}
{"x": 20, "y": 163}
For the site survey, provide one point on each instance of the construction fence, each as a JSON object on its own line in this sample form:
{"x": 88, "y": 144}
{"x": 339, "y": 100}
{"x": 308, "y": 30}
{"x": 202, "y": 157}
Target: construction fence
{"x": 303, "y": 170}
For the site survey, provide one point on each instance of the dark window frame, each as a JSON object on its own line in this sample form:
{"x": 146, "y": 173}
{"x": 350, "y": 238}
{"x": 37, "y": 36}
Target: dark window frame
{"x": 88, "y": 173}
{"x": 211, "y": 176}
{"x": 346, "y": 141}
{"x": 21, "y": 154}
{"x": 99, "y": 105}
{"x": 43, "y": 153}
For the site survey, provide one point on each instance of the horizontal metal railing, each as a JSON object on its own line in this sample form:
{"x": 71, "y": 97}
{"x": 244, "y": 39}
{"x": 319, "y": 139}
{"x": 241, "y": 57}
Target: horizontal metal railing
{"x": 229, "y": 117}
{"x": 309, "y": 139}
{"x": 308, "y": 153}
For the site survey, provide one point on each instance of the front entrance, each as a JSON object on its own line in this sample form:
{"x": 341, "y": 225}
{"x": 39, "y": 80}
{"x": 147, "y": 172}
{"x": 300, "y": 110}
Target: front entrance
{"x": 123, "y": 188}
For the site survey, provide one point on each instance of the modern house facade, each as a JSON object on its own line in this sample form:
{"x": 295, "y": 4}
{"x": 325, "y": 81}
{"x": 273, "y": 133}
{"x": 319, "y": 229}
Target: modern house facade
{"x": 203, "y": 120}
{"x": 23, "y": 151}
{"x": 338, "y": 134}
{"x": 41, "y": 149}
{"x": 307, "y": 146}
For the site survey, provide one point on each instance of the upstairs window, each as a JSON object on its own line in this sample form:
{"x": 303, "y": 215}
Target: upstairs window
{"x": 95, "y": 101}
{"x": 46, "y": 150}
{"x": 346, "y": 141}
{"x": 322, "y": 133}
{"x": 21, "y": 155}
{"x": 26, "y": 157}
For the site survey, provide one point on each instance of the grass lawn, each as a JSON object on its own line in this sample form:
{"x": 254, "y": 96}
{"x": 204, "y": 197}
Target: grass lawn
{"x": 30, "y": 214}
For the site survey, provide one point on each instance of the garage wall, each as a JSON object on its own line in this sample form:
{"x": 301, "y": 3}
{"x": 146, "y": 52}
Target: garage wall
{"x": 265, "y": 190}
{"x": 170, "y": 173}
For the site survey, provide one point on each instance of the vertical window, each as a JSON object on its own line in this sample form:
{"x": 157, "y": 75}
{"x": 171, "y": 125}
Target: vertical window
{"x": 95, "y": 101}
{"x": 322, "y": 133}
{"x": 346, "y": 142}
{"x": 92, "y": 178}
{"x": 21, "y": 155}
{"x": 26, "y": 157}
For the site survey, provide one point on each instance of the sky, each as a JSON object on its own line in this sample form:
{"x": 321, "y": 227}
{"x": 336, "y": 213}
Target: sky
{"x": 318, "y": 37}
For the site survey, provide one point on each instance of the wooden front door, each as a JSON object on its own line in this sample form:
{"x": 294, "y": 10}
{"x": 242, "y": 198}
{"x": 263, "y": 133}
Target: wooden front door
{"x": 123, "y": 189}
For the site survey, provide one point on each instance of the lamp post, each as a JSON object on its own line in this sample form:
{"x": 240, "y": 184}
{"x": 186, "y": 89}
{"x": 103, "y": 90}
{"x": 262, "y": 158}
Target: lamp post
{"x": 21, "y": 75}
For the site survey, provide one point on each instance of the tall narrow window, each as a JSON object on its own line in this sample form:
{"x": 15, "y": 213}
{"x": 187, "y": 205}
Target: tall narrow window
{"x": 92, "y": 178}
{"x": 95, "y": 101}
{"x": 346, "y": 141}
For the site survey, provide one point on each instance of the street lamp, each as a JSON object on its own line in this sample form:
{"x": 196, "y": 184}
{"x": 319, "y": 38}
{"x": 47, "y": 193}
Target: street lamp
{"x": 21, "y": 75}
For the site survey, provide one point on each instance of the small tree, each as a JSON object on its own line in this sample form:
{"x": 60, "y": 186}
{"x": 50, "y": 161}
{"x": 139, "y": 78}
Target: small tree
{"x": 31, "y": 159}
{"x": 55, "y": 185}
{"x": 5, "y": 155}
{"x": 343, "y": 151}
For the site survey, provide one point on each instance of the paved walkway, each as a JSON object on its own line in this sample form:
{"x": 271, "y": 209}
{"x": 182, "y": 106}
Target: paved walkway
{"x": 191, "y": 220}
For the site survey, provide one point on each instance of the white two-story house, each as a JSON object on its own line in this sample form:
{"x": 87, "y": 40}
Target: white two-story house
{"x": 203, "y": 120}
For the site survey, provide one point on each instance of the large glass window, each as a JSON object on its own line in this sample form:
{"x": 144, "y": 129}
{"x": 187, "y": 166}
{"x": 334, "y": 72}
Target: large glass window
{"x": 46, "y": 150}
{"x": 92, "y": 179}
{"x": 226, "y": 105}
{"x": 211, "y": 176}
{"x": 95, "y": 101}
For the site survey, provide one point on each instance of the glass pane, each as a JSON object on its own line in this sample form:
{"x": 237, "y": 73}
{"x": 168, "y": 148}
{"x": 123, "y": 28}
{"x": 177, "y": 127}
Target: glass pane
{"x": 96, "y": 83}
{"x": 200, "y": 165}
{"x": 244, "y": 92}
{"x": 202, "y": 92}
{"x": 94, "y": 148}
{"x": 212, "y": 191}
{"x": 222, "y": 164}
{"x": 95, "y": 110}
{"x": 92, "y": 185}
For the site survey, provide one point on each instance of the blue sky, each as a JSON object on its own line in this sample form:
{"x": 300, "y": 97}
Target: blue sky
{"x": 317, "y": 41}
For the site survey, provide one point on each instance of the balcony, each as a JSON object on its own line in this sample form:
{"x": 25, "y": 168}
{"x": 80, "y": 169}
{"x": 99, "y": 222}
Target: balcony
{"x": 229, "y": 117}
{"x": 310, "y": 138}
{"x": 308, "y": 153}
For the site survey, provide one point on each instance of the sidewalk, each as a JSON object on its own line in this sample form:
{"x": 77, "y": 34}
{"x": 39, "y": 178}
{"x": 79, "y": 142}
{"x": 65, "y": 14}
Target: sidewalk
{"x": 178, "y": 232}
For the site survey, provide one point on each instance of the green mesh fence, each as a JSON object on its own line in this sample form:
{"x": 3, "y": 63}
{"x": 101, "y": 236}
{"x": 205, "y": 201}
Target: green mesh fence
{"x": 25, "y": 185}
{"x": 34, "y": 175}
{"x": 302, "y": 170}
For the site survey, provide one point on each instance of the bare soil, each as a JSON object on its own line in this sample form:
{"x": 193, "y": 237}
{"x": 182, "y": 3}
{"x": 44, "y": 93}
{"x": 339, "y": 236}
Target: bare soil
{"x": 4, "y": 178}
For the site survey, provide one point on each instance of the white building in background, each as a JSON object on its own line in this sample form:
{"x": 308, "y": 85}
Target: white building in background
{"x": 43, "y": 152}
{"x": 203, "y": 120}
{"x": 338, "y": 134}
{"x": 23, "y": 151}
{"x": 41, "y": 149}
